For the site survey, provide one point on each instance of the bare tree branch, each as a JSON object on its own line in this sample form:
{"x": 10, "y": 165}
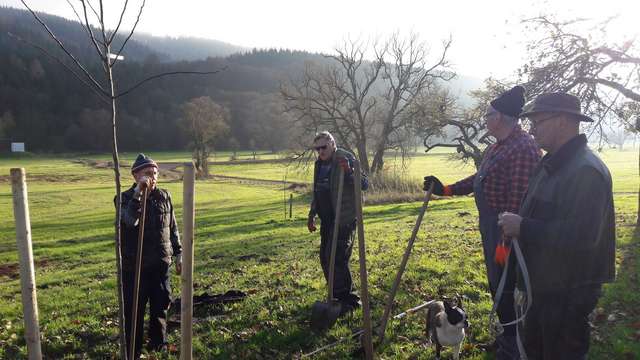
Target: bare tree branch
{"x": 166, "y": 74}
{"x": 133, "y": 29}
{"x": 630, "y": 94}
{"x": 84, "y": 71}
{"x": 86, "y": 25}
{"x": 124, "y": 10}
{"x": 100, "y": 95}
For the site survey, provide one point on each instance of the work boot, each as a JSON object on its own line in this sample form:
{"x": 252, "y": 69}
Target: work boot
{"x": 349, "y": 302}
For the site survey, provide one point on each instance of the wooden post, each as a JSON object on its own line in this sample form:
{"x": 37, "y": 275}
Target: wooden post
{"x": 290, "y": 206}
{"x": 136, "y": 280}
{"x": 27, "y": 271}
{"x": 186, "y": 310}
{"x": 403, "y": 265}
{"x": 367, "y": 342}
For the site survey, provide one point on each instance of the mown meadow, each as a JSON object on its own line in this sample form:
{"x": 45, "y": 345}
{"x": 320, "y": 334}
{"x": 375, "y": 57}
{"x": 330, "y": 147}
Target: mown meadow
{"x": 245, "y": 242}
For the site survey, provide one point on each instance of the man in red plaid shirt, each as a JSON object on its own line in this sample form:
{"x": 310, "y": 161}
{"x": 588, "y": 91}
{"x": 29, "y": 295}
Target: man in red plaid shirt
{"x": 499, "y": 185}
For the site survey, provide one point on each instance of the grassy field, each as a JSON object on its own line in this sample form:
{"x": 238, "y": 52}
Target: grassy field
{"x": 244, "y": 242}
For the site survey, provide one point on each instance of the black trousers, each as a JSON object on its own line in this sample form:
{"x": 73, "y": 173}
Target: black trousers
{"x": 557, "y": 325}
{"x": 156, "y": 290}
{"x": 342, "y": 285}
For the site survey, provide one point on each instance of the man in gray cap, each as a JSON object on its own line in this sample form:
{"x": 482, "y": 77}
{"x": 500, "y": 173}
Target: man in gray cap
{"x": 498, "y": 186}
{"x": 566, "y": 227}
{"x": 161, "y": 242}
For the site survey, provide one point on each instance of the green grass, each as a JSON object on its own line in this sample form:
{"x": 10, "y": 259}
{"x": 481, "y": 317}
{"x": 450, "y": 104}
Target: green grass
{"x": 244, "y": 242}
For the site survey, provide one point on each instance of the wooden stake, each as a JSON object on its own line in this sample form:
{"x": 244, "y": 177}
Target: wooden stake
{"x": 290, "y": 206}
{"x": 364, "y": 283}
{"x": 403, "y": 265}
{"x": 27, "y": 271}
{"x": 186, "y": 310}
{"x": 136, "y": 281}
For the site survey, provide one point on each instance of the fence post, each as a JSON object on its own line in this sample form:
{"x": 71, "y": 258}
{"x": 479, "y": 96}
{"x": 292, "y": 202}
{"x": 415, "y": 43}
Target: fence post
{"x": 290, "y": 206}
{"x": 27, "y": 271}
{"x": 186, "y": 303}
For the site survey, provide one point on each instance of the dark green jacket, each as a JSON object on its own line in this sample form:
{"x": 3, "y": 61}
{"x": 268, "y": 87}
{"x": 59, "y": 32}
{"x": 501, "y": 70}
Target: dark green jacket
{"x": 348, "y": 210}
{"x": 161, "y": 236}
{"x": 568, "y": 228}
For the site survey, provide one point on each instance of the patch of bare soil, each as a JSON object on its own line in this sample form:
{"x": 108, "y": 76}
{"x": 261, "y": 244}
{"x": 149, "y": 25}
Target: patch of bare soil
{"x": 57, "y": 178}
{"x": 12, "y": 271}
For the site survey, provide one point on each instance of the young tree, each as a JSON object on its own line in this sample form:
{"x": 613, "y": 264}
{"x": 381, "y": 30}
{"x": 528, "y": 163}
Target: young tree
{"x": 205, "y": 122}
{"x": 109, "y": 45}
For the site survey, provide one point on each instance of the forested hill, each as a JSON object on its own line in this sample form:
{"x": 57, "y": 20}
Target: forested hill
{"x": 46, "y": 107}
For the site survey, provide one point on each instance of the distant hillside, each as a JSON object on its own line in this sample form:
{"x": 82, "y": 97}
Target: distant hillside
{"x": 187, "y": 48}
{"x": 53, "y": 111}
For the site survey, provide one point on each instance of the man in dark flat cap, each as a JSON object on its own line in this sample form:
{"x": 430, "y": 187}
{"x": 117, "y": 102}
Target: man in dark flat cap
{"x": 499, "y": 186}
{"x": 566, "y": 228}
{"x": 161, "y": 243}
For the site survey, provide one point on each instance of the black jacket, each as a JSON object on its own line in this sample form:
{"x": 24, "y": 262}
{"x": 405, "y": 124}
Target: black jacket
{"x": 161, "y": 236}
{"x": 568, "y": 227}
{"x": 347, "y": 209}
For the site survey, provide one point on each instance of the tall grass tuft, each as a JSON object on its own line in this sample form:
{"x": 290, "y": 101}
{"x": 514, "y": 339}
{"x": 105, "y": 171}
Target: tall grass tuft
{"x": 393, "y": 187}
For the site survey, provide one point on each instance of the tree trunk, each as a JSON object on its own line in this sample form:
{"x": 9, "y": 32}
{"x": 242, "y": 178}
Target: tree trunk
{"x": 116, "y": 170}
{"x": 378, "y": 161}
{"x": 205, "y": 163}
{"x": 363, "y": 157}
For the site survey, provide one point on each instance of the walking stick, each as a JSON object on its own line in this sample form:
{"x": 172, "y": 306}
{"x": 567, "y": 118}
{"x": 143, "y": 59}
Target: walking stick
{"x": 325, "y": 314}
{"x": 136, "y": 283}
{"x": 364, "y": 283}
{"x": 403, "y": 265}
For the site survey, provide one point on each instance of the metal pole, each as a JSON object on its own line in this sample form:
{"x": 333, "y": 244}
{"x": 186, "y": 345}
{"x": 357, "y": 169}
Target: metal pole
{"x": 27, "y": 271}
{"x": 186, "y": 303}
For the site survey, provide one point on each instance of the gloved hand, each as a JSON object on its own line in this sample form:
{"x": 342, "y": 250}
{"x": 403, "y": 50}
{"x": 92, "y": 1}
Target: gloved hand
{"x": 311, "y": 224}
{"x": 344, "y": 164}
{"x": 438, "y": 188}
{"x": 502, "y": 252}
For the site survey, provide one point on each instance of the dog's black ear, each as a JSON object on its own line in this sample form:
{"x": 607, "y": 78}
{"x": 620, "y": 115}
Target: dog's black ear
{"x": 447, "y": 304}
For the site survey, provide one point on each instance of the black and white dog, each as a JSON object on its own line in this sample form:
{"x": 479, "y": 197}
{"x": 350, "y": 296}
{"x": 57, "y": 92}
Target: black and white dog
{"x": 446, "y": 326}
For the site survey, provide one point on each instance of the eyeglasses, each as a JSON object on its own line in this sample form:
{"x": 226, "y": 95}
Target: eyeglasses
{"x": 321, "y": 147}
{"x": 535, "y": 124}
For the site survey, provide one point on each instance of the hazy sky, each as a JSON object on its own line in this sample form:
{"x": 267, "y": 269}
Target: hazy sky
{"x": 488, "y": 38}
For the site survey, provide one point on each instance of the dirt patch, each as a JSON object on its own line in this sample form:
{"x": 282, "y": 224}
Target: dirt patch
{"x": 98, "y": 164}
{"x": 12, "y": 271}
{"x": 169, "y": 171}
{"x": 243, "y": 180}
{"x": 47, "y": 178}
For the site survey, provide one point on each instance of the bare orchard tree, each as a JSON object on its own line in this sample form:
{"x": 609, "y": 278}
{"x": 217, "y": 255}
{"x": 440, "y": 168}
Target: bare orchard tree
{"x": 366, "y": 103}
{"x": 206, "y": 122}
{"x": 407, "y": 76}
{"x": 103, "y": 85}
{"x": 572, "y": 57}
{"x": 444, "y": 123}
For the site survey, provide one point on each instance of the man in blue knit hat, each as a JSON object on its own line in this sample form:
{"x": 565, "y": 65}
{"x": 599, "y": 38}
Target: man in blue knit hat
{"x": 161, "y": 243}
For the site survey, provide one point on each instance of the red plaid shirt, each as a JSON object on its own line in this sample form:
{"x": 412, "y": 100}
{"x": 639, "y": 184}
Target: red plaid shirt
{"x": 513, "y": 161}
